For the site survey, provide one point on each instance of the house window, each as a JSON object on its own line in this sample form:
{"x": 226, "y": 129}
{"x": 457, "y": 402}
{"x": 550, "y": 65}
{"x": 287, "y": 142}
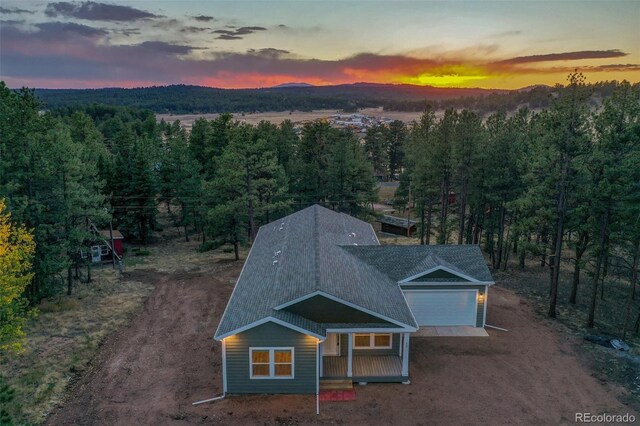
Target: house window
{"x": 372, "y": 341}
{"x": 271, "y": 363}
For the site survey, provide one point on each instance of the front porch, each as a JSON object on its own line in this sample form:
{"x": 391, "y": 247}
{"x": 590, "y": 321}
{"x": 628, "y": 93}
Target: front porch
{"x": 388, "y": 362}
{"x": 381, "y": 368}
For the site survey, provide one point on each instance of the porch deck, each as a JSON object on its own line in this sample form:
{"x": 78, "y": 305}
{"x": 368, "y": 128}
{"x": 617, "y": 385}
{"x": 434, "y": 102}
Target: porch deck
{"x": 364, "y": 367}
{"x": 452, "y": 331}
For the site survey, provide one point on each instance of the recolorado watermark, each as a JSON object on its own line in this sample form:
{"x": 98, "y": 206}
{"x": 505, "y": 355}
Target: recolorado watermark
{"x": 604, "y": 418}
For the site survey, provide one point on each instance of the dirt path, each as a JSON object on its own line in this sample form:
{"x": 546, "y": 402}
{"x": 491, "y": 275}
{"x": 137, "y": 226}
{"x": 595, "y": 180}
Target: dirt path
{"x": 151, "y": 371}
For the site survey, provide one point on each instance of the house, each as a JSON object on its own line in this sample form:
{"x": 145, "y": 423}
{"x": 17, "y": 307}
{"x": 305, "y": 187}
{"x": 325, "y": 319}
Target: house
{"x": 397, "y": 225}
{"x": 320, "y": 299}
{"x": 118, "y": 239}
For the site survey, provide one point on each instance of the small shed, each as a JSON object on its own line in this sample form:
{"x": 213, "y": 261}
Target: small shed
{"x": 397, "y": 225}
{"x": 118, "y": 240}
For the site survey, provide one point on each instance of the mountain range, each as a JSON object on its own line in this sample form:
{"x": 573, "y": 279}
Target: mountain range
{"x": 181, "y": 99}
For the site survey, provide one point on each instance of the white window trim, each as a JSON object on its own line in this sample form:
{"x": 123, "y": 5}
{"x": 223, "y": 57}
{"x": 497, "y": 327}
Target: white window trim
{"x": 272, "y": 363}
{"x": 372, "y": 341}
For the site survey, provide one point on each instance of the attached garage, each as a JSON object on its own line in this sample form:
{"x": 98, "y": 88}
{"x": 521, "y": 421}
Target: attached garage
{"x": 444, "y": 307}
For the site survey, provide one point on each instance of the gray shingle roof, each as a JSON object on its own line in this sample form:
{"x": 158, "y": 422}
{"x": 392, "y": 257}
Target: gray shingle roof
{"x": 404, "y": 261}
{"x": 396, "y": 221}
{"x": 319, "y": 250}
{"x": 302, "y": 254}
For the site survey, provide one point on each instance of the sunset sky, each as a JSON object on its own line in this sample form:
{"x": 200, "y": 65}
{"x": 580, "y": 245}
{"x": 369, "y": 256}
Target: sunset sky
{"x": 502, "y": 44}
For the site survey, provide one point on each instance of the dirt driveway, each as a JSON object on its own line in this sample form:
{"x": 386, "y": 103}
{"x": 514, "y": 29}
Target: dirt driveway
{"x": 152, "y": 370}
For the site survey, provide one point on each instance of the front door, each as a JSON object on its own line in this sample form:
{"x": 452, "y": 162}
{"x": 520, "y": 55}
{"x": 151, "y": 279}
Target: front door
{"x": 331, "y": 345}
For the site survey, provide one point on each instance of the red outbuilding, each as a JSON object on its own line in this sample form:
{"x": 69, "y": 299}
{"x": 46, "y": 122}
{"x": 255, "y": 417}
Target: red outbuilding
{"x": 118, "y": 239}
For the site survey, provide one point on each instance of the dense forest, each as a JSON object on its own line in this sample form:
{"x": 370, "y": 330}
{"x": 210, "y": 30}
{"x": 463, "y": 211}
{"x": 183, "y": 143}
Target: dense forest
{"x": 559, "y": 185}
{"x": 181, "y": 99}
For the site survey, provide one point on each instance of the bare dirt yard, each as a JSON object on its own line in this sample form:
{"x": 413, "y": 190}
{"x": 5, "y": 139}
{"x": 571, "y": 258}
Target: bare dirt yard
{"x": 150, "y": 371}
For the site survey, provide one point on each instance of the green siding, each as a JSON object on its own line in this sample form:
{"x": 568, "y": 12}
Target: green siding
{"x": 271, "y": 335}
{"x": 395, "y": 347}
{"x": 480, "y": 287}
{"x": 322, "y": 309}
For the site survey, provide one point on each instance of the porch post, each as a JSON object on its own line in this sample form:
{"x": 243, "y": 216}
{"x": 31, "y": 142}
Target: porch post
{"x": 224, "y": 367}
{"x": 320, "y": 345}
{"x": 405, "y": 354}
{"x": 350, "y": 355}
{"x": 318, "y": 368}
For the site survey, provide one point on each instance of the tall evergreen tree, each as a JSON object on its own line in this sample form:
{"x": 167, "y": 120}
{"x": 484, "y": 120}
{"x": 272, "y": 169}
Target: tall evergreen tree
{"x": 466, "y": 142}
{"x": 247, "y": 170}
{"x": 422, "y": 172}
{"x": 554, "y": 168}
{"x": 309, "y": 168}
{"x": 350, "y": 183}
{"x": 377, "y": 150}
{"x": 442, "y": 153}
{"x": 614, "y": 171}
{"x": 181, "y": 181}
{"x": 396, "y": 139}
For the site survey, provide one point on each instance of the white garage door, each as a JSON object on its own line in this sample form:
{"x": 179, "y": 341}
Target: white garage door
{"x": 443, "y": 307}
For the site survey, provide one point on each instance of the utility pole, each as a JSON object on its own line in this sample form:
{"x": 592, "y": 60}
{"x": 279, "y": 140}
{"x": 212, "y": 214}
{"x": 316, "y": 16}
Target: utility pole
{"x": 409, "y": 211}
{"x": 113, "y": 247}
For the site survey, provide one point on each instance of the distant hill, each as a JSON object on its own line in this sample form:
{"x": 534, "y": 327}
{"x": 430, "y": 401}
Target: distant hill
{"x": 533, "y": 86}
{"x": 284, "y": 85}
{"x": 407, "y": 92}
{"x": 184, "y": 99}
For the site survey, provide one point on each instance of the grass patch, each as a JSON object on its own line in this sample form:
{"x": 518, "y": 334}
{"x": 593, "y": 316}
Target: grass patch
{"x": 131, "y": 261}
{"x": 386, "y": 192}
{"x": 61, "y": 305}
{"x": 62, "y": 339}
{"x": 209, "y": 245}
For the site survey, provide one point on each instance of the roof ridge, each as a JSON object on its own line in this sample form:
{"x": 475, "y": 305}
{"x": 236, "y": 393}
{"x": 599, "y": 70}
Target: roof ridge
{"x": 285, "y": 226}
{"x": 446, "y": 264}
{"x": 316, "y": 243}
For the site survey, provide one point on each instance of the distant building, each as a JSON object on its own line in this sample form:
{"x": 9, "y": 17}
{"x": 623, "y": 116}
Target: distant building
{"x": 397, "y": 225}
{"x": 101, "y": 251}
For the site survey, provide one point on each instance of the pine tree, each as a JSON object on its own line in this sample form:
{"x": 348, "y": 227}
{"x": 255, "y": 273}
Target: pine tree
{"x": 350, "y": 183}
{"x": 76, "y": 196}
{"x": 376, "y": 148}
{"x": 135, "y": 185}
{"x": 396, "y": 140}
{"x": 199, "y": 140}
{"x": 422, "y": 172}
{"x": 249, "y": 183}
{"x": 51, "y": 185}
{"x": 614, "y": 172}
{"x": 466, "y": 142}
{"x": 308, "y": 171}
{"x": 445, "y": 132}
{"x": 182, "y": 183}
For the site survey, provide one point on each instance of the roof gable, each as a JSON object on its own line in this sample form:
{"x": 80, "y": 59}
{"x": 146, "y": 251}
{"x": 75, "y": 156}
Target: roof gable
{"x": 403, "y": 263}
{"x": 320, "y": 308}
{"x": 438, "y": 274}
